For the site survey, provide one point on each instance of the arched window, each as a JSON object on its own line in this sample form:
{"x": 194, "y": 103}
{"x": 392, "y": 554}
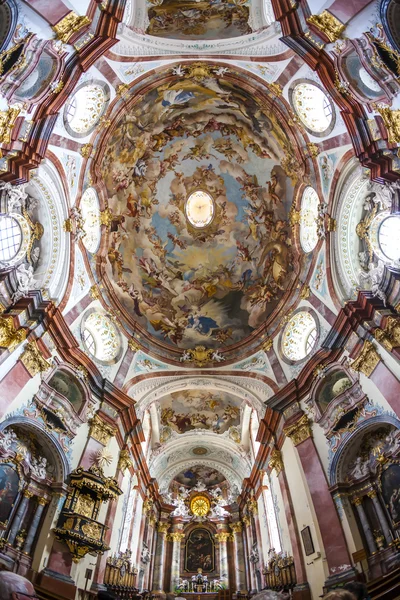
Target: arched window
{"x": 299, "y": 336}
{"x": 85, "y": 108}
{"x": 14, "y": 238}
{"x": 313, "y": 107}
{"x": 272, "y": 520}
{"x": 90, "y": 213}
{"x": 309, "y": 219}
{"x": 100, "y": 337}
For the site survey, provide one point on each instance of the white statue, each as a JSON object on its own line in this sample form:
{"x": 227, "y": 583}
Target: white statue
{"x": 372, "y": 279}
{"x": 181, "y": 509}
{"x": 185, "y": 356}
{"x": 217, "y": 357}
{"x": 26, "y": 281}
{"x": 145, "y": 554}
{"x": 358, "y": 469}
{"x": 200, "y": 487}
{"x": 16, "y": 195}
{"x": 39, "y": 467}
{"x": 9, "y": 437}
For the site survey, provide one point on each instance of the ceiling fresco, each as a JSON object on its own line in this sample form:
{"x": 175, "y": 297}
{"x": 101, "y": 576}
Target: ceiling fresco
{"x": 198, "y": 19}
{"x": 187, "y": 285}
{"x": 195, "y": 409}
{"x": 199, "y": 473}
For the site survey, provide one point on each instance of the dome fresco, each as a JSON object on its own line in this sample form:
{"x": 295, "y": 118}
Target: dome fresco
{"x": 213, "y": 285}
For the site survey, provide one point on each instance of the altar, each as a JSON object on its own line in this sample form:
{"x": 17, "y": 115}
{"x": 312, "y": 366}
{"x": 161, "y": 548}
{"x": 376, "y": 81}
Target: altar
{"x": 199, "y": 595}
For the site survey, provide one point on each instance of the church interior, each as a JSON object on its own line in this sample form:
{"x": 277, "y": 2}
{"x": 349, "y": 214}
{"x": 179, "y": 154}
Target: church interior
{"x": 200, "y": 297}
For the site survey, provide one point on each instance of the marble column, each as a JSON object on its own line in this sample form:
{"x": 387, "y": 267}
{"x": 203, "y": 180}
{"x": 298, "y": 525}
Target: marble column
{"x": 333, "y": 539}
{"x": 381, "y": 517}
{"x": 176, "y": 537}
{"x": 239, "y": 557}
{"x": 41, "y": 503}
{"x": 19, "y": 517}
{"x": 252, "y": 581}
{"x": 222, "y": 538}
{"x": 365, "y": 525}
{"x": 302, "y": 588}
{"x": 159, "y": 559}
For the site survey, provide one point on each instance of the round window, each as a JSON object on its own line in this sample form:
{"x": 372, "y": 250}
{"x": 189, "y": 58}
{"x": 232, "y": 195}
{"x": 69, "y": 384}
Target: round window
{"x": 84, "y": 109}
{"x": 100, "y": 337}
{"x": 199, "y": 209}
{"x": 389, "y": 237}
{"x": 309, "y": 219}
{"x": 90, "y": 212}
{"x": 313, "y": 107}
{"x": 299, "y": 336}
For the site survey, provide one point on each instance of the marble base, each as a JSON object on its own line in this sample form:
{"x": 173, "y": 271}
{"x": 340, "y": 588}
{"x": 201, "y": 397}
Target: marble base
{"x": 340, "y": 578}
{"x": 302, "y": 592}
{"x": 61, "y": 585}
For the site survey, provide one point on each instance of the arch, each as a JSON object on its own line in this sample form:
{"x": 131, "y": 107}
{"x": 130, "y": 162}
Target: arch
{"x": 8, "y": 22}
{"x": 46, "y": 439}
{"x": 350, "y": 440}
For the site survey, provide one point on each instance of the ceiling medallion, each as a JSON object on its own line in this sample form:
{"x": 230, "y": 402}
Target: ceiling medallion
{"x": 200, "y": 506}
{"x": 199, "y": 451}
{"x": 199, "y": 209}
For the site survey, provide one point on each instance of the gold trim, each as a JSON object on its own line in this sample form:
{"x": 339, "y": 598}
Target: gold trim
{"x": 276, "y": 462}
{"x": 69, "y": 25}
{"x": 329, "y": 25}
{"x": 367, "y": 360}
{"x": 33, "y": 360}
{"x": 101, "y": 431}
{"x": 10, "y": 336}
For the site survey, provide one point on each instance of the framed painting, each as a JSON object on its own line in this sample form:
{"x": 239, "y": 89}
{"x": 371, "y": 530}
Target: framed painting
{"x": 307, "y": 541}
{"x": 9, "y": 485}
{"x": 199, "y": 551}
{"x": 390, "y": 482}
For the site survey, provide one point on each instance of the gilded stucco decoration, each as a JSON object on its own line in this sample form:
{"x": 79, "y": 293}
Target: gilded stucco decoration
{"x": 69, "y": 25}
{"x": 276, "y": 461}
{"x": 33, "y": 360}
{"x": 328, "y": 24}
{"x": 101, "y": 431}
{"x": 10, "y": 336}
{"x": 367, "y": 361}
{"x": 299, "y": 431}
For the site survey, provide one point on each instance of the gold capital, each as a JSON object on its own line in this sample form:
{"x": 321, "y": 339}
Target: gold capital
{"x": 42, "y": 501}
{"x": 33, "y": 360}
{"x": 7, "y": 122}
{"x": 357, "y": 501}
{"x": 125, "y": 461}
{"x": 223, "y": 536}
{"x": 299, "y": 431}
{"x": 10, "y": 336}
{"x": 367, "y": 360}
{"x": 69, "y": 25}
{"x": 177, "y": 536}
{"x": 163, "y": 527}
{"x": 236, "y": 527}
{"x": 246, "y": 520}
{"x": 391, "y": 119}
{"x": 28, "y": 494}
{"x": 327, "y": 24}
{"x": 101, "y": 431}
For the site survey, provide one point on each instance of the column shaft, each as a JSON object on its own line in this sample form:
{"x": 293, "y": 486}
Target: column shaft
{"x": 34, "y": 525}
{"x": 19, "y": 517}
{"x": 239, "y": 562}
{"x": 366, "y": 527}
{"x": 382, "y": 518}
{"x": 159, "y": 563}
{"x": 176, "y": 563}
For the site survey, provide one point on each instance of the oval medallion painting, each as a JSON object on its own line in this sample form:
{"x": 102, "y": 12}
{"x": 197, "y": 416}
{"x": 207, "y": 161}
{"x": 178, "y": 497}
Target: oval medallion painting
{"x": 199, "y": 209}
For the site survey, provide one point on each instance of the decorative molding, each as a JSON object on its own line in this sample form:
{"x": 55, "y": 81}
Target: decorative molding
{"x": 389, "y": 336}
{"x": 276, "y": 461}
{"x": 300, "y": 431}
{"x": 391, "y": 119}
{"x": 367, "y": 360}
{"x": 329, "y": 25}
{"x": 33, "y": 360}
{"x": 101, "y": 431}
{"x": 7, "y": 122}
{"x": 69, "y": 25}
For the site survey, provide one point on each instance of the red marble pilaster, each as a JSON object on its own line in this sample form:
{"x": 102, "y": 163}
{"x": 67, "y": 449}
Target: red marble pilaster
{"x": 388, "y": 385}
{"x": 52, "y": 12}
{"x": 337, "y": 555}
{"x": 11, "y": 385}
{"x": 345, "y": 10}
